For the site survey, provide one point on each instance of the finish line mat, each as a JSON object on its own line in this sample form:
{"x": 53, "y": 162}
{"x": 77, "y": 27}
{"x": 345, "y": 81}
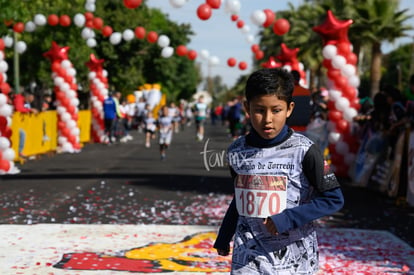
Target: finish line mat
{"x": 139, "y": 249}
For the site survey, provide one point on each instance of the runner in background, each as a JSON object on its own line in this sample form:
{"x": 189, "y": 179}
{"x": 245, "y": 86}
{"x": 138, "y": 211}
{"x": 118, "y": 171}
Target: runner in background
{"x": 200, "y": 111}
{"x": 282, "y": 185}
{"x": 149, "y": 128}
{"x": 165, "y": 125}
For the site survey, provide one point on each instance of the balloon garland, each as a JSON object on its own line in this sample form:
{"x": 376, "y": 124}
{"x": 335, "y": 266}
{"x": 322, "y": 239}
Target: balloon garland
{"x": 66, "y": 96}
{"x": 289, "y": 60}
{"x": 340, "y": 62}
{"x": 98, "y": 83}
{"x": 7, "y": 154}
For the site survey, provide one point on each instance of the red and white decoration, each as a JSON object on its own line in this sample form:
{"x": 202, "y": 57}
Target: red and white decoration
{"x": 290, "y": 62}
{"x": 340, "y": 62}
{"x": 98, "y": 82}
{"x": 7, "y": 154}
{"x": 63, "y": 75}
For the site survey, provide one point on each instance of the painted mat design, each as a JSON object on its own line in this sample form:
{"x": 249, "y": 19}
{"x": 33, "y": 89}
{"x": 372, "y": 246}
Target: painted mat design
{"x": 116, "y": 249}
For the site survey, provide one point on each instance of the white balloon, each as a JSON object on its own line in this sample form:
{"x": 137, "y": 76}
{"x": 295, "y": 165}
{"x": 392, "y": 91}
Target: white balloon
{"x": 40, "y": 19}
{"x": 348, "y": 70}
{"x": 92, "y": 75}
{"x": 65, "y": 117}
{"x": 105, "y": 73}
{"x": 79, "y": 20}
{"x": 66, "y": 64}
{"x": 4, "y": 66}
{"x": 329, "y": 51}
{"x": 6, "y": 110}
{"x": 177, "y": 3}
{"x": 167, "y": 52}
{"x": 4, "y": 143}
{"x": 8, "y": 154}
{"x": 163, "y": 41}
{"x": 287, "y": 68}
{"x": 62, "y": 140}
{"x": 334, "y": 94}
{"x": 250, "y": 38}
{"x": 8, "y": 41}
{"x": 115, "y": 38}
{"x": 354, "y": 81}
{"x": 3, "y": 99}
{"x": 5, "y": 77}
{"x": 87, "y": 33}
{"x": 90, "y": 7}
{"x": 232, "y": 6}
{"x": 128, "y": 35}
{"x": 338, "y": 61}
{"x": 30, "y": 26}
{"x": 91, "y": 42}
{"x": 258, "y": 17}
{"x": 334, "y": 137}
{"x": 71, "y": 124}
{"x": 349, "y": 114}
{"x": 21, "y": 47}
{"x": 245, "y": 29}
{"x": 58, "y": 81}
{"x": 342, "y": 104}
{"x": 204, "y": 54}
{"x": 213, "y": 61}
{"x": 72, "y": 72}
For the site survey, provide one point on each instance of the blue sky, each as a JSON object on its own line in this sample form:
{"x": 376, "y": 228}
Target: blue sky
{"x": 220, "y": 37}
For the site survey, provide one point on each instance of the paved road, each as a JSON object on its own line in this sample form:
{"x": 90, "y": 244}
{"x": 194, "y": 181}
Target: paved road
{"x": 127, "y": 184}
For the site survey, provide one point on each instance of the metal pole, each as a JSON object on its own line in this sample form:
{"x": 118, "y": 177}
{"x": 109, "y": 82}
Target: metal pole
{"x": 16, "y": 66}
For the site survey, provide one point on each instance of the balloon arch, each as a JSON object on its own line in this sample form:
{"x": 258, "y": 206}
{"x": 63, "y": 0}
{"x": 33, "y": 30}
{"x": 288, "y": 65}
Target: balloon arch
{"x": 339, "y": 60}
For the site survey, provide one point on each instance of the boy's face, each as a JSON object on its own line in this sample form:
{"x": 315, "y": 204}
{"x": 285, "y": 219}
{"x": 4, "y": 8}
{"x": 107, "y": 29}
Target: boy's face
{"x": 268, "y": 114}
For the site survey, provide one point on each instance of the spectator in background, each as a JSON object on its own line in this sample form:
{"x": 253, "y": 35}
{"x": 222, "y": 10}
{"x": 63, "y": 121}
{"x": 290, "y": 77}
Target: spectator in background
{"x": 110, "y": 115}
{"x": 301, "y": 115}
{"x": 234, "y": 117}
{"x": 47, "y": 103}
{"x": 23, "y": 103}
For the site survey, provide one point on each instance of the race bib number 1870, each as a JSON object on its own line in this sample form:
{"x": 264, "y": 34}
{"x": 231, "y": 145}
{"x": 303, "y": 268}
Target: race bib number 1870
{"x": 260, "y": 196}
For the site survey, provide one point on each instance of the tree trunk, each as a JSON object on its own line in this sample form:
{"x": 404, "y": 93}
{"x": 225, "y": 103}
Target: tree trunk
{"x": 376, "y": 62}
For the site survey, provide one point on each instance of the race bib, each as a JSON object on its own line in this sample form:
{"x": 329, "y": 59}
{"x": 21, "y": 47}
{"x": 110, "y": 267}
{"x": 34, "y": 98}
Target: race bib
{"x": 260, "y": 196}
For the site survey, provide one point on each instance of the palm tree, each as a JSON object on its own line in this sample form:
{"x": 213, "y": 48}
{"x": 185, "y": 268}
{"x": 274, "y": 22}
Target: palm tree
{"x": 379, "y": 21}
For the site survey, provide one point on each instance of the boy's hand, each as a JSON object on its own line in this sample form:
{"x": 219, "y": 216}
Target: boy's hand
{"x": 223, "y": 252}
{"x": 270, "y": 226}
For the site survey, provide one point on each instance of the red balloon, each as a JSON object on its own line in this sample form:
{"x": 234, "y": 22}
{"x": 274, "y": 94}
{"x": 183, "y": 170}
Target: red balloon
{"x": 333, "y": 74}
{"x": 352, "y": 59}
{"x": 234, "y": 17}
{"x": 18, "y": 27}
{"x": 231, "y": 61}
{"x": 1, "y": 78}
{"x": 215, "y": 4}
{"x": 281, "y": 26}
{"x": 132, "y": 4}
{"x": 4, "y": 165}
{"x": 259, "y": 55}
{"x": 3, "y": 123}
{"x": 334, "y": 115}
{"x": 88, "y": 15}
{"x": 349, "y": 92}
{"x": 53, "y": 20}
{"x": 204, "y": 11}
{"x": 64, "y": 20}
{"x": 1, "y": 44}
{"x": 344, "y": 48}
{"x": 192, "y": 54}
{"x": 342, "y": 126}
{"x": 140, "y": 32}
{"x": 5, "y": 88}
{"x": 255, "y": 48}
{"x": 242, "y": 65}
{"x": 240, "y": 24}
{"x": 181, "y": 50}
{"x": 152, "y": 37}
{"x": 270, "y": 18}
{"x": 107, "y": 31}
{"x": 98, "y": 23}
{"x": 89, "y": 24}
{"x": 340, "y": 82}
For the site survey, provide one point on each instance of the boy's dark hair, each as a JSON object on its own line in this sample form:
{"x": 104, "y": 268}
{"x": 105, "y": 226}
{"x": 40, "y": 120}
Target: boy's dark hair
{"x": 270, "y": 81}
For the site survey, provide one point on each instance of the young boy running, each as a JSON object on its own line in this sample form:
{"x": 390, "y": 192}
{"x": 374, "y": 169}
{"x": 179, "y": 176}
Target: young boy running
{"x": 281, "y": 186}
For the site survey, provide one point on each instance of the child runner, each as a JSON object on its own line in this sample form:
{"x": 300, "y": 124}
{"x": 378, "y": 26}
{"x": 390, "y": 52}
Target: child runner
{"x": 149, "y": 128}
{"x": 165, "y": 125}
{"x": 200, "y": 116}
{"x": 281, "y": 186}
